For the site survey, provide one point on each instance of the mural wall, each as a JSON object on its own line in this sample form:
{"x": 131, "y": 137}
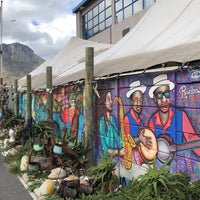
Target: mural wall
{"x": 137, "y": 119}
{"x": 147, "y": 116}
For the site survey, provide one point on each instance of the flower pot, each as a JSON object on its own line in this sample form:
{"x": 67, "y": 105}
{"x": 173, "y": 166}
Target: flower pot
{"x": 34, "y": 166}
{"x": 57, "y": 149}
{"x": 38, "y": 147}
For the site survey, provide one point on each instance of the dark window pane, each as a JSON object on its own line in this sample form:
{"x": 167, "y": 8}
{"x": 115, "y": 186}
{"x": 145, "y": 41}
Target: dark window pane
{"x": 108, "y": 22}
{"x": 108, "y": 12}
{"x": 118, "y": 5}
{"x": 90, "y": 24}
{"x": 108, "y": 3}
{"x": 102, "y": 26}
{"x": 95, "y": 11}
{"x": 148, "y": 3}
{"x": 90, "y": 33}
{"x": 96, "y": 30}
{"x": 101, "y": 16}
{"x": 101, "y": 6}
{"x": 128, "y": 12}
{"x": 119, "y": 16}
{"x": 127, "y": 2}
{"x": 95, "y": 21}
{"x": 90, "y": 15}
{"x": 138, "y": 6}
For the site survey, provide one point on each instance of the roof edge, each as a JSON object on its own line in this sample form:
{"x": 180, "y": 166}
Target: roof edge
{"x": 82, "y": 3}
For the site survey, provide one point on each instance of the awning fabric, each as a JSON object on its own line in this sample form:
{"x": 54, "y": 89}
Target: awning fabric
{"x": 168, "y": 32}
{"x": 71, "y": 55}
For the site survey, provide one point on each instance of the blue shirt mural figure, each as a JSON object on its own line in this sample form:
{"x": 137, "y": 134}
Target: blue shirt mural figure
{"x": 171, "y": 126}
{"x": 132, "y": 119}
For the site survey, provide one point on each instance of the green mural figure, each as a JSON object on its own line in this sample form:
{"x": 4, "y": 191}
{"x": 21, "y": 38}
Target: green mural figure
{"x": 110, "y": 135}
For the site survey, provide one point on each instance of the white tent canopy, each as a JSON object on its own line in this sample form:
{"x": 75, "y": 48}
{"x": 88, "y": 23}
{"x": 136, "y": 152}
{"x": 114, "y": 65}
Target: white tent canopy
{"x": 168, "y": 32}
{"x": 71, "y": 55}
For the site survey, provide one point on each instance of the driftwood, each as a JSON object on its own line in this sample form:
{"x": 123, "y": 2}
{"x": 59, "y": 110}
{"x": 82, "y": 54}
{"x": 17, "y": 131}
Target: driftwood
{"x": 72, "y": 188}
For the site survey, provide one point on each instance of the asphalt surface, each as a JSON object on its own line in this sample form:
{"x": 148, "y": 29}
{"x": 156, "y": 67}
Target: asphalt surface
{"x": 11, "y": 187}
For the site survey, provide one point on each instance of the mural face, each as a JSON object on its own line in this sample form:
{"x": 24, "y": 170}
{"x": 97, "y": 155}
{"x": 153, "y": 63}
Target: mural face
{"x": 154, "y": 119}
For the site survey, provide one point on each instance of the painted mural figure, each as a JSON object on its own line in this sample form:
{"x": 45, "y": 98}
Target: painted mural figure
{"x": 110, "y": 135}
{"x": 132, "y": 119}
{"x": 169, "y": 124}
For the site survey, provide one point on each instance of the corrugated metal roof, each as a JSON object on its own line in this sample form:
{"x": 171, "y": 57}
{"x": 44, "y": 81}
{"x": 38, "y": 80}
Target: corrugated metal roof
{"x": 82, "y": 3}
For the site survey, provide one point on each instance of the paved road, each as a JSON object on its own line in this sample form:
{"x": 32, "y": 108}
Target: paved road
{"x": 10, "y": 186}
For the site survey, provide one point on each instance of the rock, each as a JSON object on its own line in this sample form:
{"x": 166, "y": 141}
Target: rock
{"x": 11, "y": 133}
{"x": 57, "y": 173}
{"x": 13, "y": 151}
{"x": 5, "y": 142}
{"x": 47, "y": 188}
{"x": 24, "y": 163}
{"x": 71, "y": 177}
{"x": 84, "y": 181}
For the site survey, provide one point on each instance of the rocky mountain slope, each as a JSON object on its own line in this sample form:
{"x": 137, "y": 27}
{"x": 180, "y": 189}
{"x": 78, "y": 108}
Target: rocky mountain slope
{"x": 18, "y": 61}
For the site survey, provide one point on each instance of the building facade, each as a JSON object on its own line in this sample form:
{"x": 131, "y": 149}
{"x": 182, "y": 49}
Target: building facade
{"x": 107, "y": 21}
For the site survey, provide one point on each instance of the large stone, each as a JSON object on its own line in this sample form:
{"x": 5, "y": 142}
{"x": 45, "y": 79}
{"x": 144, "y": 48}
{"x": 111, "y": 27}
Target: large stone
{"x": 57, "y": 173}
{"x": 24, "y": 163}
{"x": 47, "y": 188}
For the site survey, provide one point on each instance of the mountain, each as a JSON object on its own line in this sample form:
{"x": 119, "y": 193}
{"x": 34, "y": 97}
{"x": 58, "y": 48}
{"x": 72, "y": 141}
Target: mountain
{"x": 18, "y": 61}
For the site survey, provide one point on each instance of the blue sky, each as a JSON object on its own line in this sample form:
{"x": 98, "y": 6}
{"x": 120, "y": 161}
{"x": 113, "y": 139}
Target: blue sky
{"x": 45, "y": 26}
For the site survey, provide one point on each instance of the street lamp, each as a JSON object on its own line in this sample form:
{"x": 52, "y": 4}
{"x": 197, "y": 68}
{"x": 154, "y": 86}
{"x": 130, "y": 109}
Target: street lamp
{"x": 1, "y": 60}
{"x": 1, "y": 50}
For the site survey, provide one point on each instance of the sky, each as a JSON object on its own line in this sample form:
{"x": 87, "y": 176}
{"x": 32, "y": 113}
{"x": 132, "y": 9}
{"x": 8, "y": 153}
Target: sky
{"x": 44, "y": 25}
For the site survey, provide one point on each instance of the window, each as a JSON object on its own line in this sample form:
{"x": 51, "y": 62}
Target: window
{"x": 97, "y": 19}
{"x": 127, "y": 8}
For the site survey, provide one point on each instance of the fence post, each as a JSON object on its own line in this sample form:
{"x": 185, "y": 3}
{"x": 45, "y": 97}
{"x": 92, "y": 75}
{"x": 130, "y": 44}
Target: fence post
{"x": 16, "y": 98}
{"x": 89, "y": 73}
{"x": 28, "y": 111}
{"x": 49, "y": 105}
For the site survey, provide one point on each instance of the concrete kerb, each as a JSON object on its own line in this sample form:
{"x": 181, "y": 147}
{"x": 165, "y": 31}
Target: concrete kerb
{"x": 33, "y": 195}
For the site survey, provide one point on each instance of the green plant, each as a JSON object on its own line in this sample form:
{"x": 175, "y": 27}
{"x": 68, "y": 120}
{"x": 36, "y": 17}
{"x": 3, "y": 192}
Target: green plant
{"x": 42, "y": 131}
{"x": 15, "y": 157}
{"x": 157, "y": 184}
{"x": 103, "y": 174}
{"x": 81, "y": 149}
{"x": 34, "y": 185}
{"x": 160, "y": 182}
{"x": 193, "y": 190}
{"x": 14, "y": 168}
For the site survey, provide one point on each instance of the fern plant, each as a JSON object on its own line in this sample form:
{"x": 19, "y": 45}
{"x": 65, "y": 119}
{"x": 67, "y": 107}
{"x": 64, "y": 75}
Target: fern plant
{"x": 157, "y": 184}
{"x": 103, "y": 174}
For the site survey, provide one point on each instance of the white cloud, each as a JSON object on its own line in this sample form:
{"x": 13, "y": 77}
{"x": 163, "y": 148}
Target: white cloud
{"x": 58, "y": 29}
{"x": 45, "y": 26}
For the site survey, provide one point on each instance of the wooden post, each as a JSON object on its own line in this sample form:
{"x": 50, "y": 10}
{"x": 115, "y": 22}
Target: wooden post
{"x": 28, "y": 111}
{"x": 49, "y": 105}
{"x": 89, "y": 73}
{"x": 16, "y": 97}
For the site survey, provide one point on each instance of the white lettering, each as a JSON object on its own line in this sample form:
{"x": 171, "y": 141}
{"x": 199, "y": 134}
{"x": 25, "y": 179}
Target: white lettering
{"x": 184, "y": 92}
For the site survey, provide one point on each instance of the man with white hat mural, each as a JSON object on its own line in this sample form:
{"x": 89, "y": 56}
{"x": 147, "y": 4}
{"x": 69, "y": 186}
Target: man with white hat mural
{"x": 171, "y": 126}
{"x": 132, "y": 120}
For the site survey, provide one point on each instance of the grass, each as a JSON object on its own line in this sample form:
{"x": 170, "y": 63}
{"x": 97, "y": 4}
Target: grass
{"x": 14, "y": 168}
{"x": 34, "y": 185}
